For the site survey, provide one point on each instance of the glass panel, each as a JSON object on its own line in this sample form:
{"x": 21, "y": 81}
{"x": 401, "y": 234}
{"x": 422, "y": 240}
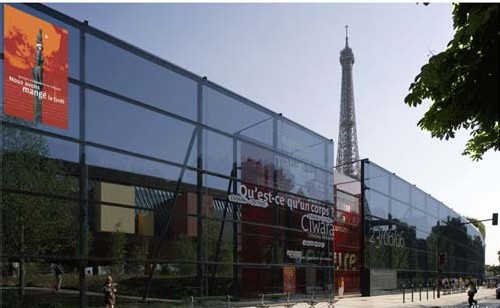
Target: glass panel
{"x": 296, "y": 177}
{"x": 400, "y": 189}
{"x": 418, "y": 199}
{"x": 235, "y": 117}
{"x": 432, "y": 206}
{"x": 129, "y": 166}
{"x": 399, "y": 258}
{"x": 455, "y": 216}
{"x": 444, "y": 212}
{"x": 329, "y": 156}
{"x": 131, "y": 222}
{"x": 174, "y": 280}
{"x": 419, "y": 220}
{"x": 378, "y": 205}
{"x": 220, "y": 250}
{"x": 122, "y": 72}
{"x": 431, "y": 221}
{"x": 217, "y": 183}
{"x": 125, "y": 126}
{"x": 24, "y": 234}
{"x": 73, "y": 38}
{"x": 299, "y": 143}
{"x": 257, "y": 166}
{"x": 400, "y": 211}
{"x": 376, "y": 178}
{"x": 19, "y": 141}
{"x": 218, "y": 153}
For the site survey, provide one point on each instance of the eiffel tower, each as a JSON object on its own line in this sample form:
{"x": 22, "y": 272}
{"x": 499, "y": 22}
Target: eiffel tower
{"x": 347, "y": 151}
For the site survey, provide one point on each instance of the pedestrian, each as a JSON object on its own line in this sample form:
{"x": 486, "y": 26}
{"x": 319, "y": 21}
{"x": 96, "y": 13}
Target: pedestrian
{"x": 471, "y": 292}
{"x": 341, "y": 287}
{"x": 109, "y": 291}
{"x": 58, "y": 271}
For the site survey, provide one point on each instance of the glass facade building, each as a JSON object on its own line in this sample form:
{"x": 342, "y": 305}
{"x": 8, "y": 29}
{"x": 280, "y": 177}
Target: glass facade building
{"x": 404, "y": 228}
{"x": 177, "y": 186}
{"x": 170, "y": 183}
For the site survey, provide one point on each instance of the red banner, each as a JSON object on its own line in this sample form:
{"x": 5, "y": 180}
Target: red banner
{"x": 35, "y": 69}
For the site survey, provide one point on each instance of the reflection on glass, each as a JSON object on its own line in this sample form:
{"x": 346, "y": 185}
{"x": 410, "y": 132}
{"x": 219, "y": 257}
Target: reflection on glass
{"x": 237, "y": 118}
{"x": 127, "y": 74}
{"x": 115, "y": 123}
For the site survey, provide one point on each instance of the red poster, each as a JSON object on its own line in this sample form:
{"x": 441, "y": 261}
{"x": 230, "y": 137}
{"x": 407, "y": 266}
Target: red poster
{"x": 289, "y": 279}
{"x": 35, "y": 69}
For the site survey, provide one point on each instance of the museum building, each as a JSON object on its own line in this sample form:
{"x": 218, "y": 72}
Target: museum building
{"x": 115, "y": 161}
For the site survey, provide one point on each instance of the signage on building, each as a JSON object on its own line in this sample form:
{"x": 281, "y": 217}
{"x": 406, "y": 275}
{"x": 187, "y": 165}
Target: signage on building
{"x": 35, "y": 69}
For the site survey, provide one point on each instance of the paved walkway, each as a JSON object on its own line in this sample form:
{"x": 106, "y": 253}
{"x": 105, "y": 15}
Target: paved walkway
{"x": 381, "y": 301}
{"x": 396, "y": 300}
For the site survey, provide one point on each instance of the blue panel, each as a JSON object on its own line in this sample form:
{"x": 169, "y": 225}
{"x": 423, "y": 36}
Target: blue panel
{"x": 299, "y": 143}
{"x": 378, "y": 204}
{"x": 400, "y": 189}
{"x": 124, "y": 73}
{"x": 118, "y": 124}
{"x": 377, "y": 178}
{"x": 235, "y": 117}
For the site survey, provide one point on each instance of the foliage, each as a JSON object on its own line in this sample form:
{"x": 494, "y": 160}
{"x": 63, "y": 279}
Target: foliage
{"x": 493, "y": 269}
{"x": 35, "y": 225}
{"x": 462, "y": 81}
{"x": 139, "y": 250}
{"x": 118, "y": 240}
{"x": 184, "y": 248}
{"x": 26, "y": 168}
{"x": 479, "y": 225}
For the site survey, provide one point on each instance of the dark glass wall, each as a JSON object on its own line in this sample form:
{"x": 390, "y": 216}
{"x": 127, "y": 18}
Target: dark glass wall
{"x": 173, "y": 185}
{"x": 403, "y": 228}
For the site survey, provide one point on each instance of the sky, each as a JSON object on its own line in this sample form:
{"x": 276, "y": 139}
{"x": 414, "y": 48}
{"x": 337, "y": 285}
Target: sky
{"x": 286, "y": 58}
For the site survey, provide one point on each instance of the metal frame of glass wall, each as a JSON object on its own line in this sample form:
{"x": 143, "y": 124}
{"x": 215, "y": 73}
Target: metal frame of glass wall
{"x": 152, "y": 154}
{"x": 401, "y": 233}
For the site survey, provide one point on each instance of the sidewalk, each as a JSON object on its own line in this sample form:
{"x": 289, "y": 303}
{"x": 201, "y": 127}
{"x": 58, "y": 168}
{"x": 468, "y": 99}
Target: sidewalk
{"x": 396, "y": 300}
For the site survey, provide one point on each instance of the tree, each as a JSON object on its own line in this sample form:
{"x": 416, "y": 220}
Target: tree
{"x": 492, "y": 269}
{"x": 34, "y": 225}
{"x": 462, "y": 81}
{"x": 117, "y": 242}
{"x": 479, "y": 225}
{"x": 139, "y": 251}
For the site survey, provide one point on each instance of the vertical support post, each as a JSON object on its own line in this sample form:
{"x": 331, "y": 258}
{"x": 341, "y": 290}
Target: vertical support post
{"x": 83, "y": 257}
{"x": 420, "y": 293}
{"x": 438, "y": 269}
{"x": 404, "y": 293}
{"x": 235, "y": 222}
{"x": 199, "y": 192}
{"x": 275, "y": 271}
{"x": 365, "y": 274}
{"x": 331, "y": 247}
{"x": 411, "y": 292}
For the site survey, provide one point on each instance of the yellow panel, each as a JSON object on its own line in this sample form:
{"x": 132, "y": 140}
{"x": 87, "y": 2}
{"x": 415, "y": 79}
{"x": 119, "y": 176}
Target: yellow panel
{"x": 146, "y": 223}
{"x": 111, "y": 216}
